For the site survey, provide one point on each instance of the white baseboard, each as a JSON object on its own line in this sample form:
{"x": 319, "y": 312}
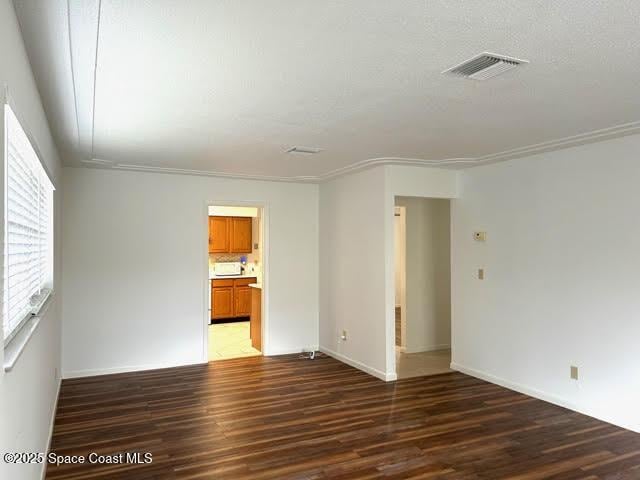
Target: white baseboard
{"x": 427, "y": 348}
{"x": 155, "y": 366}
{"x": 532, "y": 392}
{"x": 125, "y": 369}
{"x": 51, "y": 424}
{"x": 289, "y": 351}
{"x": 541, "y": 395}
{"x": 387, "y": 377}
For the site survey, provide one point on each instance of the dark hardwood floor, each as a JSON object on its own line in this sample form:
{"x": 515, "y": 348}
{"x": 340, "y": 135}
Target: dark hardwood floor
{"x": 286, "y": 418}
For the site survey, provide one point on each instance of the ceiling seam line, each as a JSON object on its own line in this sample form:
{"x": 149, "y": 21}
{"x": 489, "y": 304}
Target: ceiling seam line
{"x": 73, "y": 74}
{"x": 95, "y": 76}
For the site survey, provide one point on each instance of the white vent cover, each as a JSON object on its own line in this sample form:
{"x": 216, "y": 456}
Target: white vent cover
{"x": 485, "y": 65}
{"x": 304, "y": 150}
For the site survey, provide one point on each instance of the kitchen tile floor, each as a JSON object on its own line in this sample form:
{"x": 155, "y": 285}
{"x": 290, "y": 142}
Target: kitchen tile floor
{"x": 423, "y": 363}
{"x": 230, "y": 340}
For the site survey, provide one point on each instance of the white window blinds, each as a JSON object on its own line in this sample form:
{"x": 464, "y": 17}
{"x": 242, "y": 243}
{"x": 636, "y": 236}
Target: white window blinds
{"x": 28, "y": 239}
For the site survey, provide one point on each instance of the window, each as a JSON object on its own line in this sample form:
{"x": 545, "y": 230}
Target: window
{"x": 28, "y": 229}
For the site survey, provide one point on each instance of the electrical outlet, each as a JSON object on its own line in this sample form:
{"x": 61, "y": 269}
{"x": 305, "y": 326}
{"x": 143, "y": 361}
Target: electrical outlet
{"x": 573, "y": 373}
{"x": 480, "y": 236}
{"x": 481, "y": 274}
{"x": 255, "y": 246}
{"x": 343, "y": 337}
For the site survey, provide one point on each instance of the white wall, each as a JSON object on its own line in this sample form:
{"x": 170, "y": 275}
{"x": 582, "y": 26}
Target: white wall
{"x": 561, "y": 288}
{"x": 407, "y": 181}
{"x": 352, "y": 283}
{"x": 135, "y": 267}
{"x": 428, "y": 274}
{"x": 28, "y": 392}
{"x": 357, "y": 274}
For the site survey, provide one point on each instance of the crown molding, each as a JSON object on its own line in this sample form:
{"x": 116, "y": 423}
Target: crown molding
{"x": 97, "y": 161}
{"x": 356, "y": 167}
{"x": 557, "y": 144}
{"x": 373, "y": 162}
{"x": 110, "y": 165}
{"x": 594, "y": 136}
{"x": 208, "y": 173}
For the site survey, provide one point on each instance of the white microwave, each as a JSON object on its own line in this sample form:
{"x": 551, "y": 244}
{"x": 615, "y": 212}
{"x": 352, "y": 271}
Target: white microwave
{"x": 221, "y": 269}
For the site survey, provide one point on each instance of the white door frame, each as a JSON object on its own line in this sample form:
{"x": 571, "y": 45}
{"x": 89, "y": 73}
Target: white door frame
{"x": 390, "y": 314}
{"x": 264, "y": 234}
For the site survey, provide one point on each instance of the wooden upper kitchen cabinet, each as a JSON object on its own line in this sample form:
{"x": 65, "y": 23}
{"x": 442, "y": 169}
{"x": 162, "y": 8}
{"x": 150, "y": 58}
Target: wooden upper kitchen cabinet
{"x": 230, "y": 234}
{"x": 240, "y": 238}
{"x": 219, "y": 233}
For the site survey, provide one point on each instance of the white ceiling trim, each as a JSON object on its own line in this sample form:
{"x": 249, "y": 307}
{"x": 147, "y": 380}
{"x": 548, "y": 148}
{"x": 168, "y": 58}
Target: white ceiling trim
{"x": 561, "y": 143}
{"x": 99, "y": 163}
{"x": 372, "y": 162}
{"x": 558, "y": 144}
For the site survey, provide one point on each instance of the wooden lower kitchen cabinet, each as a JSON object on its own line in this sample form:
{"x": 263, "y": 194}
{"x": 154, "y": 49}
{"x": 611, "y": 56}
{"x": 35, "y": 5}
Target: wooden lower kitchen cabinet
{"x": 242, "y": 299}
{"x": 255, "y": 328}
{"x": 231, "y": 298}
{"x": 222, "y": 299}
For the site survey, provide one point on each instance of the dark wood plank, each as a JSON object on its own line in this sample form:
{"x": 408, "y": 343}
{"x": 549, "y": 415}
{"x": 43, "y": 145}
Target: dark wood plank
{"x": 287, "y": 418}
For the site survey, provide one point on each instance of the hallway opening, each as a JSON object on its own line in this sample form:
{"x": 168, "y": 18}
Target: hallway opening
{"x": 423, "y": 286}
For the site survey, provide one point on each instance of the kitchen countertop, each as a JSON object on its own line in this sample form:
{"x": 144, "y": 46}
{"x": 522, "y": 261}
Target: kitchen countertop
{"x": 222, "y": 277}
{"x": 256, "y": 285}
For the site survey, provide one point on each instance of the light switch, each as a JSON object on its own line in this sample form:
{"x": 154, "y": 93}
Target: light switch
{"x": 481, "y": 274}
{"x": 573, "y": 373}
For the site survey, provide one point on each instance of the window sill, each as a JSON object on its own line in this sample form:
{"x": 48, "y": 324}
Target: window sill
{"x": 17, "y": 344}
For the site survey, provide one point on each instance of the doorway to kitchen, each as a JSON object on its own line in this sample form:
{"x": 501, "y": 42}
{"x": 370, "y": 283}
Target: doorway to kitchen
{"x": 235, "y": 269}
{"x": 423, "y": 286}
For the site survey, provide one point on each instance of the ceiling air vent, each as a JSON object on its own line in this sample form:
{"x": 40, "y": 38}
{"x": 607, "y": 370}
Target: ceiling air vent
{"x": 304, "y": 150}
{"x": 484, "y": 66}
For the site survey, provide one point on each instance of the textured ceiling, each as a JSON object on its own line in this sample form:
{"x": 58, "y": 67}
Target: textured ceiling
{"x": 229, "y": 86}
